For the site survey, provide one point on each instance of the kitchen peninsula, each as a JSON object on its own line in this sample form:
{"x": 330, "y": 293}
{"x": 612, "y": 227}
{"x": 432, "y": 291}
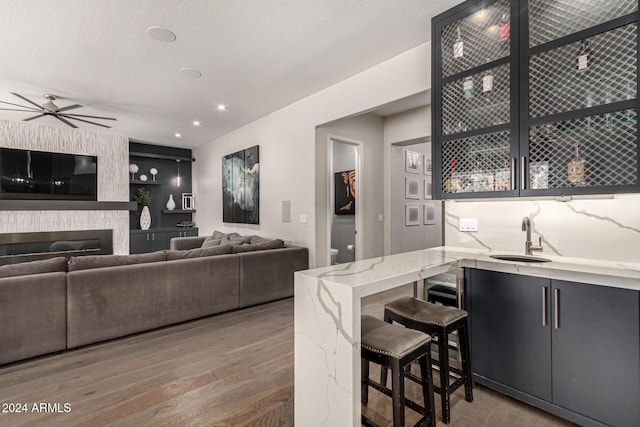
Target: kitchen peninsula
{"x": 327, "y": 326}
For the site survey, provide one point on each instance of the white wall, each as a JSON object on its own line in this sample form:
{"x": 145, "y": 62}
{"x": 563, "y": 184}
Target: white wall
{"x": 113, "y": 180}
{"x": 288, "y": 156}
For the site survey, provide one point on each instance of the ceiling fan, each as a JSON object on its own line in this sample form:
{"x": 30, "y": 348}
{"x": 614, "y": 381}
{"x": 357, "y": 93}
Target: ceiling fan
{"x": 48, "y": 108}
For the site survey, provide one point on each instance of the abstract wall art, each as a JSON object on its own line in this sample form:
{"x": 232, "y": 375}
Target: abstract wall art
{"x": 241, "y": 186}
{"x": 345, "y": 192}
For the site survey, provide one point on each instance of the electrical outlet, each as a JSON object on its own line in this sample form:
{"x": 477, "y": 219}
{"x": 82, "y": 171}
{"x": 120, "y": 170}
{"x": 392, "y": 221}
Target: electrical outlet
{"x": 468, "y": 224}
{"x": 303, "y": 219}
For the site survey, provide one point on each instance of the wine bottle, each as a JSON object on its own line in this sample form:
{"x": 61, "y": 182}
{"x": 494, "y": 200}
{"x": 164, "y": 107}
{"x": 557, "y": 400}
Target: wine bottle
{"x": 505, "y": 29}
{"x": 458, "y": 46}
{"x": 584, "y": 56}
{"x": 576, "y": 168}
{"x": 487, "y": 82}
{"x": 467, "y": 87}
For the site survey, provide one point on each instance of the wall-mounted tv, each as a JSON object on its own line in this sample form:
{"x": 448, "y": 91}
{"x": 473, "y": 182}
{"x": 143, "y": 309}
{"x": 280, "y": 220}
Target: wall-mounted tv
{"x": 39, "y": 175}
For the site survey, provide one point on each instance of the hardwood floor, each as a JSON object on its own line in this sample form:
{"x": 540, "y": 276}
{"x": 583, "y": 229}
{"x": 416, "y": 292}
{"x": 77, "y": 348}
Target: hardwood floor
{"x": 234, "y": 369}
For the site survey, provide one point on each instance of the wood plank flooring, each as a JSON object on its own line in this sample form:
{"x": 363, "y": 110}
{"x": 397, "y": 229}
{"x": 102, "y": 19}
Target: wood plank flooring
{"x": 235, "y": 369}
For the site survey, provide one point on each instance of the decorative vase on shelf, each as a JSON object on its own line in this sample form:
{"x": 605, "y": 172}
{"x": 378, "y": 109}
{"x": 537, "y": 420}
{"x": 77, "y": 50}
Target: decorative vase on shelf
{"x": 145, "y": 218}
{"x": 171, "y": 204}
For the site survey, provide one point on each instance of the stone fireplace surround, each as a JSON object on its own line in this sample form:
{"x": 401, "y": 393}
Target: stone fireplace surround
{"x": 113, "y": 182}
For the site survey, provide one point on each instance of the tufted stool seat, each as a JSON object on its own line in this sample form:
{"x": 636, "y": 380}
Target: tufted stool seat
{"x": 396, "y": 348}
{"x": 439, "y": 321}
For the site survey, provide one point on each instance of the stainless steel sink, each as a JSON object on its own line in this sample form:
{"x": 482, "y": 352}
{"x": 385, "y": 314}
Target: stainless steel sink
{"x": 520, "y": 258}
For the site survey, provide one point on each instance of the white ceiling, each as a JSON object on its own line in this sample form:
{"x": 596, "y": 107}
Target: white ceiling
{"x": 256, "y": 56}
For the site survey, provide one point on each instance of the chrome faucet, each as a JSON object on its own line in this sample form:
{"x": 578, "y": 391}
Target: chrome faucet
{"x": 528, "y": 245}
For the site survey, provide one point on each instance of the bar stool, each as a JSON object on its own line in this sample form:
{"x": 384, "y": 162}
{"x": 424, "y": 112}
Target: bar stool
{"x": 396, "y": 348}
{"x": 439, "y": 321}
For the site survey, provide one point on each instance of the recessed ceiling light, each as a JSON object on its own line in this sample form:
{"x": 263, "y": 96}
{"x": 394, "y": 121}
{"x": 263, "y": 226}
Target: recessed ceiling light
{"x": 178, "y": 135}
{"x": 222, "y": 107}
{"x": 190, "y": 72}
{"x": 196, "y": 123}
{"x": 161, "y": 34}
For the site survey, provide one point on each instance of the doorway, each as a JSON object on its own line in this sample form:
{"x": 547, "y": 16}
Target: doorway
{"x": 345, "y": 200}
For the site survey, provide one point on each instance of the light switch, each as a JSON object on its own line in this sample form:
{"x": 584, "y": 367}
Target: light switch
{"x": 468, "y": 224}
{"x": 303, "y": 219}
{"x": 380, "y": 217}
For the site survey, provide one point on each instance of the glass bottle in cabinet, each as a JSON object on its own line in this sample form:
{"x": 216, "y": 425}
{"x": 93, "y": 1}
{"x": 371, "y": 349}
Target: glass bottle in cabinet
{"x": 576, "y": 168}
{"x": 467, "y": 87}
{"x": 487, "y": 82}
{"x": 504, "y": 31}
{"x": 458, "y": 46}
{"x": 584, "y": 56}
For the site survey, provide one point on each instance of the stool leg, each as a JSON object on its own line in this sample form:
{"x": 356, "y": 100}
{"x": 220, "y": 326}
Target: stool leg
{"x": 364, "y": 380}
{"x": 397, "y": 381}
{"x": 463, "y": 338}
{"x": 443, "y": 354}
{"x": 383, "y": 369}
{"x": 427, "y": 387}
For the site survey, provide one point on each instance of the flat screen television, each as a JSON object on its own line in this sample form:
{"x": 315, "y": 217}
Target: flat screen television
{"x": 39, "y": 175}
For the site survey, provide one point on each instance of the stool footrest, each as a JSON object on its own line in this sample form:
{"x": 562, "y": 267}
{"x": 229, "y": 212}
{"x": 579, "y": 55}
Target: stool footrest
{"x": 408, "y": 402}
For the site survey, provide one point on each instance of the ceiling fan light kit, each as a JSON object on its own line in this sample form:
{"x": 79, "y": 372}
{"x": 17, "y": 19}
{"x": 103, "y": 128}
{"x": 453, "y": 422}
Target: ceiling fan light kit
{"x": 49, "y": 108}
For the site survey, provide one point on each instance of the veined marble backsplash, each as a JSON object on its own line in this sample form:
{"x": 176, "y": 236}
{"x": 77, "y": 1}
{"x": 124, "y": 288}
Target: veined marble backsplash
{"x": 113, "y": 180}
{"x": 596, "y": 228}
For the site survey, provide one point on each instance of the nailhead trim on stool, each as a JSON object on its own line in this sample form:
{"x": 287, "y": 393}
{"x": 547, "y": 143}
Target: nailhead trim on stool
{"x": 439, "y": 321}
{"x": 396, "y": 348}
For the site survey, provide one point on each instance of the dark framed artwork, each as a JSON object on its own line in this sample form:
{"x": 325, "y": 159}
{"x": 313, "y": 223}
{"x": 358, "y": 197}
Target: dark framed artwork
{"x": 241, "y": 186}
{"x": 345, "y": 192}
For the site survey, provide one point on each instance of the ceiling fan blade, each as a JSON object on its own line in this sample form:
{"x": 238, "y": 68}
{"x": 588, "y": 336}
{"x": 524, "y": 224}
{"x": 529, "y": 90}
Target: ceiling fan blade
{"x": 34, "y": 117}
{"x": 66, "y": 122}
{"x": 22, "y": 106}
{"x": 70, "y": 107}
{"x": 89, "y": 117}
{"x": 15, "y": 109}
{"x": 28, "y": 100}
{"x": 81, "y": 120}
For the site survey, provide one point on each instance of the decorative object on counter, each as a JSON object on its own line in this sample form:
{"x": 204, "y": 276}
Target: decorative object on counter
{"x": 153, "y": 172}
{"x": 143, "y": 177}
{"x": 133, "y": 169}
{"x": 411, "y": 214}
{"x": 241, "y": 186}
{"x": 171, "y": 204}
{"x": 412, "y": 161}
{"x": 345, "y": 192}
{"x": 143, "y": 197}
{"x": 188, "y": 202}
{"x": 186, "y": 224}
{"x": 411, "y": 188}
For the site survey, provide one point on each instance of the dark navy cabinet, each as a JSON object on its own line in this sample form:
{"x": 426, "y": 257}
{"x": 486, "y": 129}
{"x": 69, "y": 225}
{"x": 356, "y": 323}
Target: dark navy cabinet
{"x": 143, "y": 241}
{"x": 572, "y": 349}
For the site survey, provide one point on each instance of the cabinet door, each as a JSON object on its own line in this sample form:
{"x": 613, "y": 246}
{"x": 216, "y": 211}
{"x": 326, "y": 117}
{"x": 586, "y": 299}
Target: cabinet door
{"x": 158, "y": 241}
{"x": 596, "y": 352}
{"x": 138, "y": 243}
{"x": 510, "y": 330}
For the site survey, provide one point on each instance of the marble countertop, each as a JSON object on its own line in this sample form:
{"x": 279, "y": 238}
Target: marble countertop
{"x": 374, "y": 275}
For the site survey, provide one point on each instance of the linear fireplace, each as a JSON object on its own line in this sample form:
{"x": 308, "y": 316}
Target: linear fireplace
{"x": 20, "y": 247}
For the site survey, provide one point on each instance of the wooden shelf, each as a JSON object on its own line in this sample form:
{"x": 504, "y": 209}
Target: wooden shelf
{"x": 178, "y": 211}
{"x": 138, "y": 182}
{"x": 160, "y": 156}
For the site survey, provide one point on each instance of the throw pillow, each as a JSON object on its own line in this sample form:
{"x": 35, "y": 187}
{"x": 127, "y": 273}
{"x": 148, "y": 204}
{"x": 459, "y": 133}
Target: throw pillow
{"x": 100, "y": 261}
{"x": 227, "y": 242}
{"x": 220, "y": 235}
{"x": 199, "y": 252}
{"x": 266, "y": 244}
{"x": 239, "y": 238}
{"x": 257, "y": 239}
{"x": 210, "y": 242}
{"x": 50, "y": 265}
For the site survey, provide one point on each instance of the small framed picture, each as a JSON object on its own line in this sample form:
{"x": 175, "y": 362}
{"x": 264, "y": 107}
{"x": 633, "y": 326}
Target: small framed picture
{"x": 187, "y": 202}
{"x": 411, "y": 214}
{"x": 412, "y": 161}
{"x": 428, "y": 189}
{"x": 429, "y": 213}
{"x": 427, "y": 164}
{"x": 411, "y": 188}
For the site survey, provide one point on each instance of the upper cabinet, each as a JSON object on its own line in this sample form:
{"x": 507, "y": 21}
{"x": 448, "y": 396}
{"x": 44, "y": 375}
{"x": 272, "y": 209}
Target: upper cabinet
{"x": 535, "y": 98}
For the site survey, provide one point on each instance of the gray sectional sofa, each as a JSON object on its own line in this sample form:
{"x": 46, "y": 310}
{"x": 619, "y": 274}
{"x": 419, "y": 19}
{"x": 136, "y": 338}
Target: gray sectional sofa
{"x": 52, "y": 305}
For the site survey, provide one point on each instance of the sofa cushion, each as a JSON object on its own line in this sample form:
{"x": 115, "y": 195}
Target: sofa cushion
{"x": 50, "y": 265}
{"x": 228, "y": 242}
{"x": 210, "y": 242}
{"x": 264, "y": 245}
{"x": 100, "y": 261}
{"x": 199, "y": 252}
{"x": 220, "y": 235}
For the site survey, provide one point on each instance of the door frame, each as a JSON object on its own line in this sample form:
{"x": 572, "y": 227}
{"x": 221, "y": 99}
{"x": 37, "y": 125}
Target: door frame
{"x": 359, "y": 146}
